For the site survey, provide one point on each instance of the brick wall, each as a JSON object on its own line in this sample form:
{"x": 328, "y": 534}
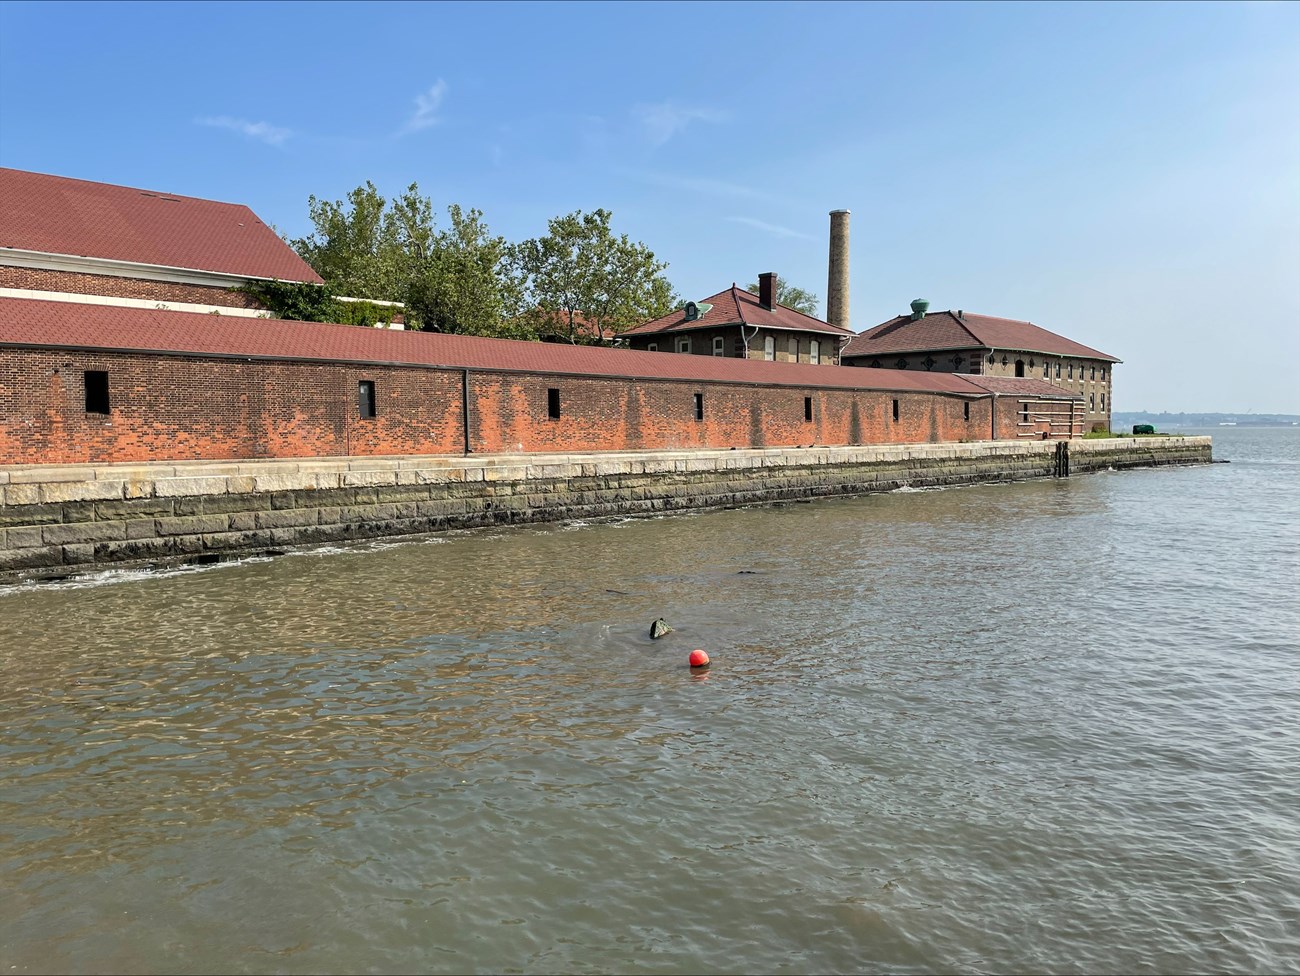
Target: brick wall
{"x": 1089, "y": 378}
{"x": 184, "y": 408}
{"x": 74, "y": 283}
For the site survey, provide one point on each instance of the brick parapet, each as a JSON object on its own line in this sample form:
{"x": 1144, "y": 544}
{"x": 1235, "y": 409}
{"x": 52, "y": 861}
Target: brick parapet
{"x": 67, "y": 518}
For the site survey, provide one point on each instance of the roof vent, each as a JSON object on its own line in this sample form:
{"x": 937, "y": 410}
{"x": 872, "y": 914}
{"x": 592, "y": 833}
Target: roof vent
{"x": 919, "y": 307}
{"x": 960, "y": 314}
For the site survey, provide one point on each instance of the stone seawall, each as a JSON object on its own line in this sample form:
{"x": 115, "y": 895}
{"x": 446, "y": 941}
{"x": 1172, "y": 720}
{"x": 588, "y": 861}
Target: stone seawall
{"x": 66, "y": 518}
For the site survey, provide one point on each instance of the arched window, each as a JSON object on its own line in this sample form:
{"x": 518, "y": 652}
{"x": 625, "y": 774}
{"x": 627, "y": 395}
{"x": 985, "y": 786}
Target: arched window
{"x": 814, "y": 351}
{"x": 769, "y": 348}
{"x": 794, "y": 349}
{"x": 1020, "y": 367}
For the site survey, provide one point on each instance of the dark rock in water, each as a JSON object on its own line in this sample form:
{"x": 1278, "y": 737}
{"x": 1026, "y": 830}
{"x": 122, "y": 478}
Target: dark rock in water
{"x": 747, "y": 572}
{"x": 659, "y": 628}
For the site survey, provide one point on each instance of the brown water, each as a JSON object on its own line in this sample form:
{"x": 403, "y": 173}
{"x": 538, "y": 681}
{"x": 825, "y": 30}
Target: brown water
{"x": 1049, "y": 726}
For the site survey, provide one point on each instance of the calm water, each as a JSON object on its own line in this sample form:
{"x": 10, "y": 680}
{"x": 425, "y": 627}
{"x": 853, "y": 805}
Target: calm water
{"x": 1049, "y": 726}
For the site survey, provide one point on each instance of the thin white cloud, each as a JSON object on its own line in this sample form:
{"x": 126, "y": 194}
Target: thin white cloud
{"x": 771, "y": 228}
{"x": 426, "y": 108}
{"x": 272, "y": 135}
{"x": 659, "y": 123}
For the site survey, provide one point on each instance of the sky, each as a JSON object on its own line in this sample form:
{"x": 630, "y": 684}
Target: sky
{"x": 1125, "y": 174}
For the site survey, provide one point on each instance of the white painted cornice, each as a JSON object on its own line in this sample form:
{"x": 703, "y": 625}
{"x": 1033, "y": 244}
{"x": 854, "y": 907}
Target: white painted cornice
{"x": 18, "y": 257}
{"x": 168, "y": 306}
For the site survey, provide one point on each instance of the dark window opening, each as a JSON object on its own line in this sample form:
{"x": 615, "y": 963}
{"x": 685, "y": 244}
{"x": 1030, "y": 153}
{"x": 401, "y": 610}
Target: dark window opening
{"x": 1058, "y": 371}
{"x": 992, "y": 359}
{"x": 807, "y": 408}
{"x": 1024, "y": 413}
{"x": 965, "y": 411}
{"x": 1020, "y": 367}
{"x": 956, "y": 362}
{"x": 928, "y": 363}
{"x": 875, "y": 364}
{"x": 366, "y": 399}
{"x": 1093, "y": 373}
{"x": 553, "y": 404}
{"x": 901, "y": 363}
{"x": 895, "y": 409}
{"x": 96, "y": 391}
{"x": 699, "y": 406}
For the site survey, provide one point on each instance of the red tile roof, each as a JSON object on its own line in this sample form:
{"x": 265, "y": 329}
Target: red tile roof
{"x": 947, "y": 330}
{"x": 26, "y": 322}
{"x": 57, "y": 215}
{"x": 734, "y": 307}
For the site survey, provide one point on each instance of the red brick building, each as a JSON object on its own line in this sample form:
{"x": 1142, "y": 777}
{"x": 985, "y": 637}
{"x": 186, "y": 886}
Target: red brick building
{"x": 96, "y": 384}
{"x": 984, "y": 345}
{"x": 77, "y": 241}
{"x": 739, "y": 324}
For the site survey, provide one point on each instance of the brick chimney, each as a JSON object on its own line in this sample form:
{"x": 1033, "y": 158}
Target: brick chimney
{"x": 767, "y": 289}
{"x": 837, "y": 277}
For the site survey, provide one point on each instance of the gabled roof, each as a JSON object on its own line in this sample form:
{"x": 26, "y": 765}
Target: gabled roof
{"x": 57, "y": 215}
{"x": 948, "y": 330}
{"x": 31, "y": 323}
{"x": 736, "y": 306}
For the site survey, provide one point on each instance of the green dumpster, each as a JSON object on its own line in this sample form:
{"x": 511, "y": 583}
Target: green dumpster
{"x": 1143, "y": 429}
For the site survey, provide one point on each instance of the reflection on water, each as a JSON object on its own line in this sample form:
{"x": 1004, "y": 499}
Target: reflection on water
{"x": 1046, "y": 726}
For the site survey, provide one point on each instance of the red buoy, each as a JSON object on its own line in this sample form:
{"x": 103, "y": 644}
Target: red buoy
{"x": 699, "y": 659}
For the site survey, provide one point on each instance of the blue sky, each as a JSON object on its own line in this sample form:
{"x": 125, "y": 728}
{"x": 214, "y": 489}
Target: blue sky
{"x": 1125, "y": 174}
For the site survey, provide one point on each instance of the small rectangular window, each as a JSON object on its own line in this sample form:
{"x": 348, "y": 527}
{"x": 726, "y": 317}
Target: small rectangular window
{"x": 553, "y": 404}
{"x": 1092, "y": 401}
{"x": 699, "y": 406}
{"x": 366, "y": 399}
{"x": 814, "y": 351}
{"x": 684, "y": 344}
{"x": 1103, "y": 401}
{"x": 1024, "y": 413}
{"x": 965, "y": 410}
{"x": 895, "y": 409}
{"x": 96, "y": 391}
{"x": 718, "y": 349}
{"x": 807, "y": 408}
{"x": 652, "y": 347}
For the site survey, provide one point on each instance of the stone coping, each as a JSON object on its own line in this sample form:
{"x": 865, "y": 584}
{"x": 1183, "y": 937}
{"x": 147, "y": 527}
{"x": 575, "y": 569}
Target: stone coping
{"x": 34, "y": 484}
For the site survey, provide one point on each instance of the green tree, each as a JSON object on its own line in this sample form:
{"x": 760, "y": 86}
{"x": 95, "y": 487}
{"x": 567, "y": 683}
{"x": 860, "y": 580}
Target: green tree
{"x": 357, "y": 246}
{"x": 460, "y": 279}
{"x": 792, "y": 297}
{"x": 467, "y": 283}
{"x": 585, "y": 284}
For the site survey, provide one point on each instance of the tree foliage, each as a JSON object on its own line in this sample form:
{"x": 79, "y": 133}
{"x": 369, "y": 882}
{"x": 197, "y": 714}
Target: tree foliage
{"x": 792, "y": 297}
{"x": 580, "y": 281}
{"x": 459, "y": 279}
{"x": 584, "y": 284}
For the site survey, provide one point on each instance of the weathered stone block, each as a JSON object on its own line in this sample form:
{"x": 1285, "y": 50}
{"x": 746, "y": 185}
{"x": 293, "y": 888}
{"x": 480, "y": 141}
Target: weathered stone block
{"x": 75, "y": 491}
{"x": 60, "y": 535}
{"x": 174, "y": 487}
{"x": 243, "y": 521}
{"x": 141, "y": 528}
{"x": 25, "y": 537}
{"x": 237, "y": 540}
{"x": 134, "y": 508}
{"x": 31, "y": 558}
{"x": 77, "y": 555}
{"x": 194, "y": 525}
{"x": 22, "y": 495}
{"x": 286, "y": 518}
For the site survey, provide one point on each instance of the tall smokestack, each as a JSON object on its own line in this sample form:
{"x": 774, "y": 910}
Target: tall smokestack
{"x": 837, "y": 278}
